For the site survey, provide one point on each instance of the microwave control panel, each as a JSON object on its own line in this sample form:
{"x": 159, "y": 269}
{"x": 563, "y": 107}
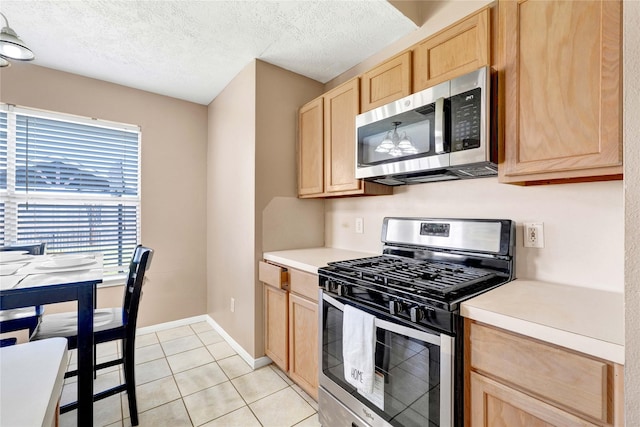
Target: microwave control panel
{"x": 465, "y": 120}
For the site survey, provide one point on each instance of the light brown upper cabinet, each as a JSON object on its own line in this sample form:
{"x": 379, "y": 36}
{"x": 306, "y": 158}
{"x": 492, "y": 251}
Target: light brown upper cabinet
{"x": 456, "y": 50}
{"x": 387, "y": 82}
{"x": 327, "y": 146}
{"x": 561, "y": 90}
{"x": 340, "y": 111}
{"x": 310, "y": 149}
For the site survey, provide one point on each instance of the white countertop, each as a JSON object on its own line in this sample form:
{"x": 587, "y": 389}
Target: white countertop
{"x": 31, "y": 379}
{"x": 311, "y": 259}
{"x": 587, "y": 320}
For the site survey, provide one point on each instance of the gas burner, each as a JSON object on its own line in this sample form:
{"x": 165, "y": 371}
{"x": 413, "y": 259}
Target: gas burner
{"x": 422, "y": 276}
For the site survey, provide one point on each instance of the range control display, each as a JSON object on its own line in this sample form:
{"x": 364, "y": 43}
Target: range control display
{"x": 434, "y": 229}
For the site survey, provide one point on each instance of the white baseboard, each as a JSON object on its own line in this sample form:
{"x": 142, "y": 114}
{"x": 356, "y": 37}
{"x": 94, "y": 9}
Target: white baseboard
{"x": 254, "y": 363}
{"x": 172, "y": 324}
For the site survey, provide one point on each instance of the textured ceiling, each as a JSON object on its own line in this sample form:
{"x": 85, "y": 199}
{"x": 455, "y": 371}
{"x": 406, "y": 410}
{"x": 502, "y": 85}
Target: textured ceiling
{"x": 192, "y": 49}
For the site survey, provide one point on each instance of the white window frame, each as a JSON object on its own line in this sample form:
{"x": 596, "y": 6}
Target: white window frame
{"x": 12, "y": 198}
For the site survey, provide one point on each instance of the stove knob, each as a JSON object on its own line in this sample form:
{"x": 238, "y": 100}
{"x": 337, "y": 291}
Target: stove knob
{"x": 327, "y": 286}
{"x": 417, "y": 314}
{"x": 396, "y": 307}
{"x": 343, "y": 290}
{"x": 330, "y": 286}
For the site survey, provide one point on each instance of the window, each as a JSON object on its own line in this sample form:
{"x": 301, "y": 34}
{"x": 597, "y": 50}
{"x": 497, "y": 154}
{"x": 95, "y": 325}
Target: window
{"x": 71, "y": 182}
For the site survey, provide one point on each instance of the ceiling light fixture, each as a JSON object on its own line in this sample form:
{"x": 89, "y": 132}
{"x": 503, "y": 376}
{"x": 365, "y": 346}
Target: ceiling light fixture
{"x": 395, "y": 144}
{"x": 4, "y": 62}
{"x": 11, "y": 47}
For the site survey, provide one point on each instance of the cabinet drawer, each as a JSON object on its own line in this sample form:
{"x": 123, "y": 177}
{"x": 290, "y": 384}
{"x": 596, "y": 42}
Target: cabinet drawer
{"x": 305, "y": 284}
{"x": 273, "y": 275}
{"x": 574, "y": 381}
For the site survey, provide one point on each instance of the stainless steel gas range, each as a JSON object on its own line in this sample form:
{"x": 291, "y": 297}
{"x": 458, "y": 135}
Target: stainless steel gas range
{"x": 414, "y": 290}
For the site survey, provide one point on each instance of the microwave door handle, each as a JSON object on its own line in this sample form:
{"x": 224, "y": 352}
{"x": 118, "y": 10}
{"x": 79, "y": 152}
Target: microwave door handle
{"x": 439, "y": 126}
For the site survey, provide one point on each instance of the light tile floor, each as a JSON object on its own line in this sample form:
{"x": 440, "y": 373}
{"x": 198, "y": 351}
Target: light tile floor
{"x": 189, "y": 376}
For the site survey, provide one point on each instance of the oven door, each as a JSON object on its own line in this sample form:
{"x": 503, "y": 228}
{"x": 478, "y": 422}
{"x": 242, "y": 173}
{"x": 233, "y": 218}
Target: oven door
{"x": 414, "y": 375}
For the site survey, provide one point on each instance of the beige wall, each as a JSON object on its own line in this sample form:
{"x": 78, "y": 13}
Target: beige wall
{"x": 567, "y": 212}
{"x": 251, "y": 194}
{"x": 631, "y": 13}
{"x": 231, "y": 208}
{"x": 174, "y": 138}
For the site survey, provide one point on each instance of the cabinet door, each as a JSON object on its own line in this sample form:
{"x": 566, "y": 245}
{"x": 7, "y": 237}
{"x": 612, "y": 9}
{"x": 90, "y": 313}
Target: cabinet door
{"x": 562, "y": 80}
{"x": 568, "y": 379}
{"x": 276, "y": 326}
{"x": 340, "y": 110}
{"x": 310, "y": 149}
{"x": 303, "y": 343}
{"x": 386, "y": 83}
{"x": 496, "y": 405}
{"x": 454, "y": 51}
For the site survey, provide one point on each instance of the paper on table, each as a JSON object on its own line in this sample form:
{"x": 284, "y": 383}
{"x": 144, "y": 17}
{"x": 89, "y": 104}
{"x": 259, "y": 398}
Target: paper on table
{"x": 8, "y": 282}
{"x": 54, "y": 278}
{"x": 14, "y": 256}
{"x": 8, "y": 269}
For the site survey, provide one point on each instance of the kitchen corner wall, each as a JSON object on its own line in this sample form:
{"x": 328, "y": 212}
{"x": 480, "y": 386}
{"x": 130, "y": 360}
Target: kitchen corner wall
{"x": 251, "y": 192}
{"x": 174, "y": 137}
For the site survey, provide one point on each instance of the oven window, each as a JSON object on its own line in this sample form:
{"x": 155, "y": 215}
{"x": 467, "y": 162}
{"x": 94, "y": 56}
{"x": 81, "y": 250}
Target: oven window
{"x": 408, "y": 374}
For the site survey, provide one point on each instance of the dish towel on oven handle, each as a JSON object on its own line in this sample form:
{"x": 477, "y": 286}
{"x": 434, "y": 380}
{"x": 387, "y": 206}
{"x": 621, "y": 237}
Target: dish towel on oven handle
{"x": 358, "y": 348}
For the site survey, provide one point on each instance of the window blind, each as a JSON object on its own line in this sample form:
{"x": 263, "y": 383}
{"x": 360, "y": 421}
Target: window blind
{"x": 73, "y": 183}
{"x": 3, "y": 169}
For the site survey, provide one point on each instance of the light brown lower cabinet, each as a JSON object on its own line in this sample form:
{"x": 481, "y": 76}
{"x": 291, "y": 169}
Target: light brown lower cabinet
{"x": 494, "y": 404}
{"x": 516, "y": 381}
{"x": 303, "y": 343}
{"x": 276, "y": 308}
{"x": 291, "y": 323}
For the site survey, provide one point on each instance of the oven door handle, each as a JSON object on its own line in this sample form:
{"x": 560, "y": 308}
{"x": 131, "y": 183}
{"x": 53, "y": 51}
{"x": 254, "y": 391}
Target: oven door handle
{"x": 435, "y": 339}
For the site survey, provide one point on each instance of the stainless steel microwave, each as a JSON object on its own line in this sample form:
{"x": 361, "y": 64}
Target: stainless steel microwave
{"x": 438, "y": 134}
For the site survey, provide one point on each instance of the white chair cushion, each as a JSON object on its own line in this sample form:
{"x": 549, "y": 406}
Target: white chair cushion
{"x": 17, "y": 313}
{"x": 66, "y": 324}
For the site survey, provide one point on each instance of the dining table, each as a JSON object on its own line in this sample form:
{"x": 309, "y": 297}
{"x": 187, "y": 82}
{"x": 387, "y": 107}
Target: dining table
{"x": 34, "y": 280}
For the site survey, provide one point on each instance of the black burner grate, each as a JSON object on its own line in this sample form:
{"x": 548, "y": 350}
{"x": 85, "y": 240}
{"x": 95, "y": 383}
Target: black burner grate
{"x": 419, "y": 276}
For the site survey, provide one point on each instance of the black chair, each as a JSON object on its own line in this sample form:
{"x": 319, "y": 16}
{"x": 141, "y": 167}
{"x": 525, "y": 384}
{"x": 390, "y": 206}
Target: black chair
{"x": 109, "y": 324}
{"x": 28, "y": 317}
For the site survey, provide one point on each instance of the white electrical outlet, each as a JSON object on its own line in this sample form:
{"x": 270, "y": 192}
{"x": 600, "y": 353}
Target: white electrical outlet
{"x": 533, "y": 235}
{"x": 233, "y": 305}
{"x": 359, "y": 225}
